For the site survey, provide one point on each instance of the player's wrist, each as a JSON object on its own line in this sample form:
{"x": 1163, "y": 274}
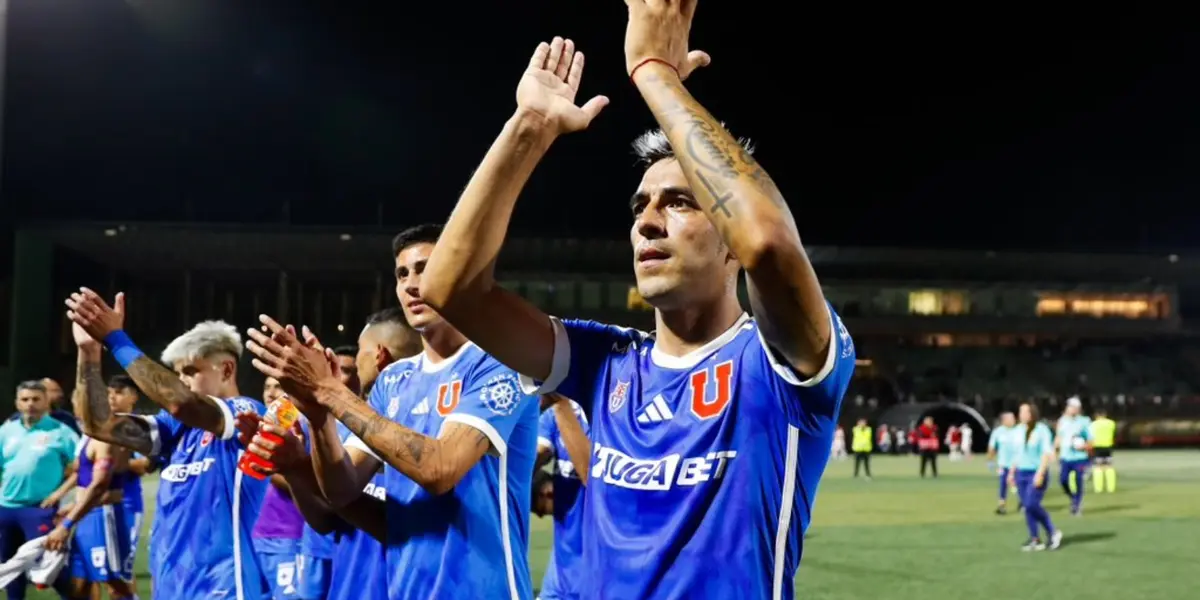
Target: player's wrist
{"x": 122, "y": 347}
{"x": 327, "y": 394}
{"x": 653, "y": 68}
{"x": 533, "y": 127}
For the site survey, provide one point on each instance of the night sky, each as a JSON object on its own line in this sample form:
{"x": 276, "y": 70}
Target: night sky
{"x": 909, "y": 129}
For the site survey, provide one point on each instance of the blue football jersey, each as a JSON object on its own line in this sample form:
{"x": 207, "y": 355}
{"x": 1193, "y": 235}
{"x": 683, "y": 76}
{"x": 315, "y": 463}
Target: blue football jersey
{"x": 312, "y": 543}
{"x": 200, "y": 543}
{"x": 705, "y": 466}
{"x": 360, "y": 564}
{"x": 563, "y": 571}
{"x": 472, "y": 542}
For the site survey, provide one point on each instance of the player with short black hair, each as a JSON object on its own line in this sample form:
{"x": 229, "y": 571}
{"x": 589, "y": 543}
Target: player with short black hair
{"x": 710, "y": 436}
{"x": 455, "y": 431}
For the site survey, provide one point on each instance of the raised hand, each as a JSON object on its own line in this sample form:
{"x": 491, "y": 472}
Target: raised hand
{"x": 550, "y": 83}
{"x": 310, "y": 339}
{"x": 82, "y": 340}
{"x": 300, "y": 368}
{"x": 658, "y": 30}
{"x": 93, "y": 315}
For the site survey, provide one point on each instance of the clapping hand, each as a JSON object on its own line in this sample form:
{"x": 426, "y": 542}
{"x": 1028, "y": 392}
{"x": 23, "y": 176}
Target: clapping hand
{"x": 301, "y": 368}
{"x": 94, "y": 317}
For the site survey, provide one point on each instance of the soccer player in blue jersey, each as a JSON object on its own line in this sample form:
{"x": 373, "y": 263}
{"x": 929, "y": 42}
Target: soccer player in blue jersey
{"x": 563, "y": 442}
{"x": 710, "y": 436}
{"x": 194, "y": 431}
{"x": 1001, "y": 446}
{"x": 1072, "y": 440}
{"x": 95, "y": 525}
{"x": 355, "y": 566}
{"x": 458, "y": 435}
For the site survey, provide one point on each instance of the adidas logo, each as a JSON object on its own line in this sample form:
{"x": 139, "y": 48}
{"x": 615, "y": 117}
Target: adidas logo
{"x": 422, "y": 408}
{"x": 656, "y": 412}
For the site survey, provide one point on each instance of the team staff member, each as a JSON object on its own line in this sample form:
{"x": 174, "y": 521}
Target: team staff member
{"x": 35, "y": 451}
{"x": 860, "y": 444}
{"x": 54, "y": 396}
{"x": 927, "y": 445}
{"x": 1103, "y": 434}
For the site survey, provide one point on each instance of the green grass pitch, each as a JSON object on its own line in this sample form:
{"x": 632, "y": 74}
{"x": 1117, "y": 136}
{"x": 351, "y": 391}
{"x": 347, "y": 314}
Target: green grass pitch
{"x": 901, "y": 537}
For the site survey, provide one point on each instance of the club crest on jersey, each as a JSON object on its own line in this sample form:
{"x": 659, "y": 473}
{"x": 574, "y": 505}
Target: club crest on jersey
{"x": 393, "y": 407}
{"x": 617, "y": 398}
{"x": 206, "y": 439}
{"x": 500, "y": 394}
{"x": 241, "y": 405}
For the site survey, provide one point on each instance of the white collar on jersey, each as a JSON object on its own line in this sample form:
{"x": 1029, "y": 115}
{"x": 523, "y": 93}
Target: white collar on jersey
{"x": 428, "y": 366}
{"x": 691, "y": 359}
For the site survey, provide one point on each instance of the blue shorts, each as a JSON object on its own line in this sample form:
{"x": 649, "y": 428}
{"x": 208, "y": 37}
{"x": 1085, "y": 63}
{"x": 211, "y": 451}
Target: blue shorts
{"x": 278, "y": 561}
{"x": 133, "y": 518}
{"x": 101, "y": 551}
{"x": 314, "y": 577}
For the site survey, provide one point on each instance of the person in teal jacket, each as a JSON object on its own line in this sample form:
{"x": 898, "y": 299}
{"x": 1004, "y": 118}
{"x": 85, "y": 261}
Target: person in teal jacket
{"x": 1029, "y": 471}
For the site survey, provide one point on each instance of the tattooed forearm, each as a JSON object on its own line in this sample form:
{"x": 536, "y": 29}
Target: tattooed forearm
{"x": 166, "y": 389}
{"x": 397, "y": 445}
{"x": 435, "y": 464}
{"x": 90, "y": 400}
{"x": 726, "y": 179}
{"x": 132, "y": 433}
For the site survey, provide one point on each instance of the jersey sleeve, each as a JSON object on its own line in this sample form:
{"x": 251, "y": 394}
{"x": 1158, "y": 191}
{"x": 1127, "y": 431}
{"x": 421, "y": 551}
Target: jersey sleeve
{"x": 234, "y": 406}
{"x": 581, "y": 351}
{"x": 994, "y": 440}
{"x": 547, "y": 429}
{"x": 165, "y": 432}
{"x": 809, "y": 402}
{"x": 491, "y": 402}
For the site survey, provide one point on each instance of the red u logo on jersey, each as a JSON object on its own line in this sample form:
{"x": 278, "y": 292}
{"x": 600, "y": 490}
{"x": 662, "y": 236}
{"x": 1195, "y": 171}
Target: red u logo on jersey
{"x": 448, "y": 395}
{"x": 707, "y": 402}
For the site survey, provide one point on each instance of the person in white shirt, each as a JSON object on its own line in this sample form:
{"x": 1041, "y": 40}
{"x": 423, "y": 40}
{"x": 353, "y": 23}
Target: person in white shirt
{"x": 839, "y": 444}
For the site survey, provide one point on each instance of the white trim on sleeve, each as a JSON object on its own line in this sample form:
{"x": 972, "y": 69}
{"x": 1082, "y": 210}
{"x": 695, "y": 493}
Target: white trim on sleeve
{"x": 788, "y": 374}
{"x": 354, "y": 442}
{"x": 545, "y": 441}
{"x": 483, "y": 426}
{"x": 230, "y": 428}
{"x": 560, "y": 363}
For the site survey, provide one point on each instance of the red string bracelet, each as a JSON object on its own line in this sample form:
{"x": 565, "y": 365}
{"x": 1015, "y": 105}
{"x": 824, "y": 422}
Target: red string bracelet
{"x": 646, "y": 61}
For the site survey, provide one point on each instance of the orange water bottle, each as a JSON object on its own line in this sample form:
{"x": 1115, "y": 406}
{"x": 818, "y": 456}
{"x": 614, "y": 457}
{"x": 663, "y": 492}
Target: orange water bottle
{"x": 281, "y": 413}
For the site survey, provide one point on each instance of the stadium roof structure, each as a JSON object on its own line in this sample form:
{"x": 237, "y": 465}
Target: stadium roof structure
{"x": 172, "y": 247}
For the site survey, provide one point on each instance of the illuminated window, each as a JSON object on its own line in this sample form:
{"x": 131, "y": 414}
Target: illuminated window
{"x": 1122, "y": 306}
{"x": 938, "y": 302}
{"x": 1051, "y": 306}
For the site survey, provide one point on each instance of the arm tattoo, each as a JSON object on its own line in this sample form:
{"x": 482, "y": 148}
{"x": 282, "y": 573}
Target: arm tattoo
{"x": 165, "y": 388}
{"x": 91, "y": 402}
{"x": 708, "y": 153}
{"x": 432, "y": 463}
{"x": 91, "y": 395}
{"x": 399, "y": 446}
